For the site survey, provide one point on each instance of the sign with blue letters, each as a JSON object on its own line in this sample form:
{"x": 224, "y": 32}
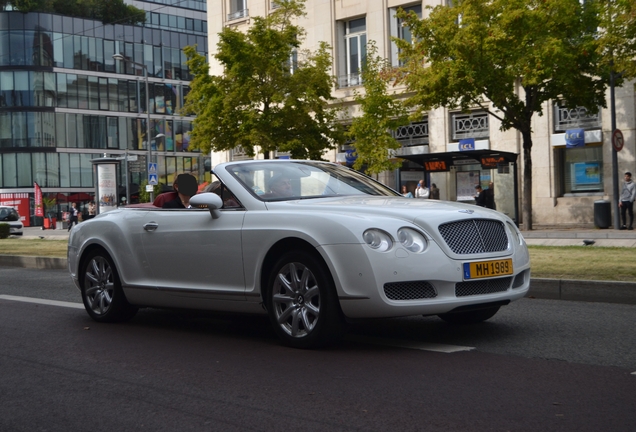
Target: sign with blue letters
{"x": 467, "y": 144}
{"x": 574, "y": 138}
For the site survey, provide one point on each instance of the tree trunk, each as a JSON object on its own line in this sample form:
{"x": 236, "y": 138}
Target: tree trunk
{"x": 527, "y": 181}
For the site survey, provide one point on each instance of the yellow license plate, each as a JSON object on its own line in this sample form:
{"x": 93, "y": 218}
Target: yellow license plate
{"x": 484, "y": 269}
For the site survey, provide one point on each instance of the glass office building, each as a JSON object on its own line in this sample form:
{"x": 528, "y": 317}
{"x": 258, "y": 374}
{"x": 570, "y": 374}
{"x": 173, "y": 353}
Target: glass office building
{"x": 64, "y": 100}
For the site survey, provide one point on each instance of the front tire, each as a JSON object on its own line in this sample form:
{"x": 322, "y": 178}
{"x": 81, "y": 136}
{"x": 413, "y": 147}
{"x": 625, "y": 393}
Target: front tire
{"x": 470, "y": 317}
{"x": 301, "y": 302}
{"x": 102, "y": 294}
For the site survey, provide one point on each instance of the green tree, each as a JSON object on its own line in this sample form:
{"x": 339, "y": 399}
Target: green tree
{"x": 271, "y": 96}
{"x": 107, "y": 11}
{"x": 381, "y": 113}
{"x": 508, "y": 57}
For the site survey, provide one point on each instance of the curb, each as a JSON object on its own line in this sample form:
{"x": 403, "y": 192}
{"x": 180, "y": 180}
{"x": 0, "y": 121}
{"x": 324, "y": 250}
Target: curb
{"x": 582, "y": 290}
{"x": 35, "y": 262}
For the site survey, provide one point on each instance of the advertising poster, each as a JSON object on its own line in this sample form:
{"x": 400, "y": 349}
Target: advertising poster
{"x": 107, "y": 187}
{"x": 20, "y": 202}
{"x": 466, "y": 182}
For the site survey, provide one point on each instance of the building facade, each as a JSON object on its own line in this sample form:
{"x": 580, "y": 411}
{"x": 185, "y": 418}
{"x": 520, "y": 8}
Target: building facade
{"x": 65, "y": 100}
{"x": 566, "y": 181}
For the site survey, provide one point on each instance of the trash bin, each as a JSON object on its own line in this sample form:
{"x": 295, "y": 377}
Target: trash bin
{"x": 602, "y": 214}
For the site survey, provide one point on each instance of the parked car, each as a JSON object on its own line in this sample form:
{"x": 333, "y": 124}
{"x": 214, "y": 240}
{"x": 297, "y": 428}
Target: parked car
{"x": 10, "y": 215}
{"x": 309, "y": 243}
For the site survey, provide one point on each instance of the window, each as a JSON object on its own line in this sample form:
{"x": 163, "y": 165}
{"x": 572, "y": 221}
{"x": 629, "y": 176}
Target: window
{"x": 581, "y": 169}
{"x": 400, "y": 30}
{"x": 355, "y": 50}
{"x": 572, "y": 118}
{"x": 238, "y": 9}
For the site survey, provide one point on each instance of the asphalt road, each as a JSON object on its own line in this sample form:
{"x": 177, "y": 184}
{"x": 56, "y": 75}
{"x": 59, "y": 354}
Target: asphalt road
{"x": 537, "y": 365}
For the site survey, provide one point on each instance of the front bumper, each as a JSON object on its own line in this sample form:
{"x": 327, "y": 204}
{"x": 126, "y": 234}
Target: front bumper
{"x": 362, "y": 276}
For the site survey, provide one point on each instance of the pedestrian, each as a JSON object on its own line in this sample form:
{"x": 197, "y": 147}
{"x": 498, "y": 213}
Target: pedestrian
{"x": 480, "y": 198}
{"x": 434, "y": 192}
{"x": 92, "y": 210}
{"x": 406, "y": 193}
{"x": 422, "y": 191}
{"x": 490, "y": 196}
{"x": 73, "y": 215}
{"x": 626, "y": 202}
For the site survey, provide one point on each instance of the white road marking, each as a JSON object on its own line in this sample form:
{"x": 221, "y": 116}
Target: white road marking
{"x": 42, "y": 301}
{"x": 424, "y": 346}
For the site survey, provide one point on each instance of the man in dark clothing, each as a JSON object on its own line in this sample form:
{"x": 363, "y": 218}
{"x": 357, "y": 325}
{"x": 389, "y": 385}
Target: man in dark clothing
{"x": 490, "y": 196}
{"x": 480, "y": 198}
{"x": 186, "y": 186}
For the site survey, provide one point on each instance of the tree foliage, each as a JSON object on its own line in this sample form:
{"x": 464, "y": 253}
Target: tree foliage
{"x": 617, "y": 36}
{"x": 381, "y": 114}
{"x": 507, "y": 57}
{"x": 265, "y": 100}
{"x": 106, "y": 11}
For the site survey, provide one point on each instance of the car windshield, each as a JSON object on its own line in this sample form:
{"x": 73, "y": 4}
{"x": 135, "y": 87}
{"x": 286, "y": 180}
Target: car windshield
{"x": 281, "y": 181}
{"x": 9, "y": 215}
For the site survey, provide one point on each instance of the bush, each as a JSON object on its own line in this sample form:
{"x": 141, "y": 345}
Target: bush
{"x": 5, "y": 230}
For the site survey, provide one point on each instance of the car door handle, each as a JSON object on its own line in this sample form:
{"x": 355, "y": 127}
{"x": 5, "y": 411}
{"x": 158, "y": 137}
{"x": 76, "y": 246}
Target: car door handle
{"x": 151, "y": 226}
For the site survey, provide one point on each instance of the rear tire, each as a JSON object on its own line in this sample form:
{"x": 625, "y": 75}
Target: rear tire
{"x": 301, "y": 302}
{"x": 102, "y": 294}
{"x": 469, "y": 317}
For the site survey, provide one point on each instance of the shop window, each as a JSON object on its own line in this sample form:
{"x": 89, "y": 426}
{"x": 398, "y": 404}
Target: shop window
{"x": 581, "y": 169}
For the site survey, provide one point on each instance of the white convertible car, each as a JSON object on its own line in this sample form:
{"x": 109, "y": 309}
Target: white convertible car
{"x": 310, "y": 244}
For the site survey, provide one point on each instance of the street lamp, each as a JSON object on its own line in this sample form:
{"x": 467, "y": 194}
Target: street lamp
{"x": 120, "y": 57}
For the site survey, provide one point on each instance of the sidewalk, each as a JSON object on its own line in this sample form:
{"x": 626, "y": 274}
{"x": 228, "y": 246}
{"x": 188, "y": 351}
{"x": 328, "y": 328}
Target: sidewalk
{"x": 554, "y": 289}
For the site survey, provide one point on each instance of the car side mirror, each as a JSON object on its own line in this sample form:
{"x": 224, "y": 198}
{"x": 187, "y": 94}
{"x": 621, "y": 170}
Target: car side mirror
{"x": 208, "y": 200}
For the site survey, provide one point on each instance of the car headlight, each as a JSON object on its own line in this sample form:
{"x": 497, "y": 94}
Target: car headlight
{"x": 378, "y": 240}
{"x": 412, "y": 240}
{"x": 516, "y": 234}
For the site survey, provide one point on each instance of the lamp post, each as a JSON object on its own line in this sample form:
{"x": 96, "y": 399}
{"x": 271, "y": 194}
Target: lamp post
{"x": 120, "y": 57}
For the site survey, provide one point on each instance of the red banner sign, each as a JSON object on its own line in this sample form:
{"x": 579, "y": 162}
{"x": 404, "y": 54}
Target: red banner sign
{"x": 39, "y": 208}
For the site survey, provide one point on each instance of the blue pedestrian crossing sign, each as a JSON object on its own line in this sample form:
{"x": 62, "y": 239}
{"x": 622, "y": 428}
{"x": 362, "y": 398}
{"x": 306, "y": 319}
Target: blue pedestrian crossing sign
{"x": 152, "y": 173}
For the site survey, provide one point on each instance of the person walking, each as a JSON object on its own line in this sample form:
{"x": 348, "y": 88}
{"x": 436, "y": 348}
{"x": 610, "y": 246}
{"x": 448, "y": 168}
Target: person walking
{"x": 422, "y": 191}
{"x": 434, "y": 191}
{"x": 626, "y": 201}
{"x": 73, "y": 215}
{"x": 92, "y": 210}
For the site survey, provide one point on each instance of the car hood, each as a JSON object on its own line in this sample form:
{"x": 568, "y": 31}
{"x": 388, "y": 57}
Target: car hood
{"x": 426, "y": 213}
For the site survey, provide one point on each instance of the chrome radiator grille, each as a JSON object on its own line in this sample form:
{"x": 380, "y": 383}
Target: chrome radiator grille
{"x": 475, "y": 236}
{"x": 409, "y": 290}
{"x": 482, "y": 286}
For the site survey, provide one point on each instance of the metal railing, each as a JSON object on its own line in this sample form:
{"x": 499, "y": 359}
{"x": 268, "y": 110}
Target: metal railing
{"x": 350, "y": 80}
{"x": 474, "y": 125}
{"x": 238, "y": 14}
{"x": 412, "y": 134}
{"x": 571, "y": 118}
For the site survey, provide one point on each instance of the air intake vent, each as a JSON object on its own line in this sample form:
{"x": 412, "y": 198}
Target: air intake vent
{"x": 482, "y": 286}
{"x": 475, "y": 236}
{"x": 415, "y": 290}
{"x": 519, "y": 280}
